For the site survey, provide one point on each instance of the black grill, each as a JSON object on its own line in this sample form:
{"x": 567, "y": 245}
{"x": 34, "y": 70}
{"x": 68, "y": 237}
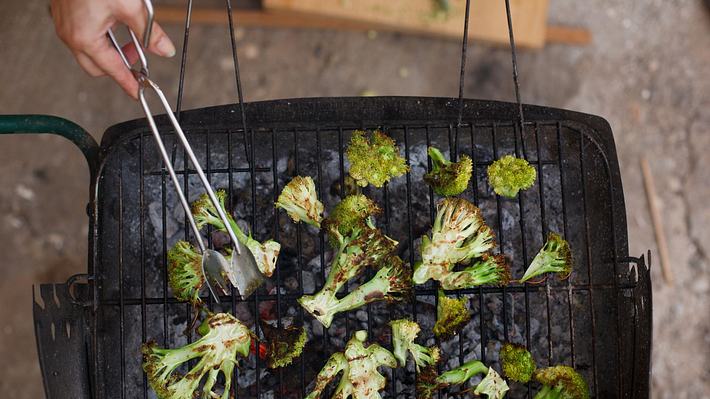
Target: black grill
{"x": 596, "y": 321}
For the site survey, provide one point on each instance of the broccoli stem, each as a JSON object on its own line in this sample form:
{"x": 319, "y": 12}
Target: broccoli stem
{"x": 463, "y": 373}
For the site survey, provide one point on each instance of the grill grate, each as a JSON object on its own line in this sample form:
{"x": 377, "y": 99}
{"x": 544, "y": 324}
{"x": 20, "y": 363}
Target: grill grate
{"x": 591, "y": 321}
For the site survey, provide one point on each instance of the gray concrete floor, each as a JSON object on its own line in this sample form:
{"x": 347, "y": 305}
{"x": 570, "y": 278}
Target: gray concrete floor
{"x": 647, "y": 72}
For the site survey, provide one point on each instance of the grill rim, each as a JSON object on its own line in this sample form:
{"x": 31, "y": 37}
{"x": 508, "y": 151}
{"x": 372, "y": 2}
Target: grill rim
{"x": 394, "y": 109}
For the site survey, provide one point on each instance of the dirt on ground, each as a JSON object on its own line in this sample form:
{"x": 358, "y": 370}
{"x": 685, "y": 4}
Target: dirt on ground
{"x": 647, "y": 72}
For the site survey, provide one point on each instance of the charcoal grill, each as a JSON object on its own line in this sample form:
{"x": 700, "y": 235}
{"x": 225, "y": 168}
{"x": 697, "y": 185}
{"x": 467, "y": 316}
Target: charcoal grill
{"x": 90, "y": 328}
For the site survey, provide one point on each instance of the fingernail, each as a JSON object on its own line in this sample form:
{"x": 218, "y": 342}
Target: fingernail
{"x": 165, "y": 47}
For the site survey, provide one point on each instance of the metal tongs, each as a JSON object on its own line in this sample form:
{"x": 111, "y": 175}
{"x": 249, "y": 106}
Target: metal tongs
{"x": 242, "y": 271}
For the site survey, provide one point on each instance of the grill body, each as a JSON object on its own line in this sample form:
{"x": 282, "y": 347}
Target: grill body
{"x": 599, "y": 320}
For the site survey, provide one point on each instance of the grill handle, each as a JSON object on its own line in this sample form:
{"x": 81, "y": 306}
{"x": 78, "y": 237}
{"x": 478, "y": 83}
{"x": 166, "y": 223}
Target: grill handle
{"x": 47, "y": 124}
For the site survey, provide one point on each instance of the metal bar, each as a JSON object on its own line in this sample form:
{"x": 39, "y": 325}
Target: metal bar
{"x": 464, "y": 48}
{"x": 589, "y": 259}
{"x": 214, "y": 170}
{"x": 235, "y": 56}
{"x": 183, "y": 61}
{"x": 515, "y": 62}
{"x": 142, "y": 254}
{"x": 500, "y": 236}
{"x": 276, "y": 227}
{"x": 121, "y": 327}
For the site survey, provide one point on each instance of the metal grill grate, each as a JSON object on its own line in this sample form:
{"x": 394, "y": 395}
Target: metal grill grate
{"x": 594, "y": 321}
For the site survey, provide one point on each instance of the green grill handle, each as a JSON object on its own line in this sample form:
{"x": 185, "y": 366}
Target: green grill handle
{"x": 46, "y": 124}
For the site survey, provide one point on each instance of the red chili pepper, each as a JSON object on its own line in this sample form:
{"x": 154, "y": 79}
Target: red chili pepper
{"x": 262, "y": 349}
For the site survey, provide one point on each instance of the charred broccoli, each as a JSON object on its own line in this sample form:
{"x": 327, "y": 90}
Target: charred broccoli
{"x": 561, "y": 382}
{"x": 359, "y": 365}
{"x": 283, "y": 345}
{"x": 509, "y": 174}
{"x": 492, "y": 385}
{"x": 358, "y": 246}
{"x": 448, "y": 178}
{"x": 517, "y": 362}
{"x": 554, "y": 257}
{"x": 265, "y": 254}
{"x": 300, "y": 200}
{"x": 404, "y": 332}
{"x": 459, "y": 235}
{"x": 185, "y": 272}
{"x": 375, "y": 159}
{"x": 223, "y": 339}
{"x": 451, "y": 315}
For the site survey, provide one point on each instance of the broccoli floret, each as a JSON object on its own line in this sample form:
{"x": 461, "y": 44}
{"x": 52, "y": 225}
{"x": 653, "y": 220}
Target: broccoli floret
{"x": 205, "y": 213}
{"x": 489, "y": 270}
{"x": 459, "y": 234}
{"x": 517, "y": 362}
{"x": 404, "y": 332}
{"x": 492, "y": 385}
{"x": 349, "y": 216}
{"x": 224, "y": 338}
{"x": 392, "y": 282}
{"x": 448, "y": 178}
{"x": 359, "y": 365}
{"x": 451, "y": 315}
{"x": 375, "y": 159}
{"x": 283, "y": 345}
{"x": 300, "y": 200}
{"x": 429, "y": 382}
{"x": 561, "y": 382}
{"x": 554, "y": 257}
{"x": 185, "y": 272}
{"x": 509, "y": 174}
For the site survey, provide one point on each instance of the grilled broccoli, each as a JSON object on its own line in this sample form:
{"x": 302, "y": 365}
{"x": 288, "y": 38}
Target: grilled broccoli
{"x": 185, "y": 272}
{"x": 392, "y": 282}
{"x": 283, "y": 345}
{"x": 350, "y": 215}
{"x": 404, "y": 332}
{"x": 561, "y": 382}
{"x": 223, "y": 339}
{"x": 553, "y": 257}
{"x": 359, "y": 365}
{"x": 265, "y": 254}
{"x": 375, "y": 159}
{"x": 509, "y": 174}
{"x": 451, "y": 315}
{"x": 492, "y": 385}
{"x": 429, "y": 382}
{"x": 300, "y": 200}
{"x": 489, "y": 270}
{"x": 448, "y": 178}
{"x": 459, "y": 234}
{"x": 517, "y": 362}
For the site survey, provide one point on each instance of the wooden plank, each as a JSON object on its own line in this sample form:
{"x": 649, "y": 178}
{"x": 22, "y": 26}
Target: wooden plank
{"x": 657, "y": 221}
{"x": 282, "y": 19}
{"x": 487, "y": 17}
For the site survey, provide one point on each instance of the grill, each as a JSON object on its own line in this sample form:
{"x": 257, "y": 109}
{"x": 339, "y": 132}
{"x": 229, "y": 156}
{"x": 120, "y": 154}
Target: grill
{"x": 89, "y": 329}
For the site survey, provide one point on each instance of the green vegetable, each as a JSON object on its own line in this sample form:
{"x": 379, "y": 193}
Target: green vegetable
{"x": 459, "y": 235}
{"x": 428, "y": 382}
{"x": 448, "y": 178}
{"x": 351, "y": 215}
{"x": 561, "y": 382}
{"x": 554, "y": 257}
{"x": 509, "y": 174}
{"x": 185, "y": 272}
{"x": 492, "y": 385}
{"x": 300, "y": 200}
{"x": 224, "y": 338}
{"x": 451, "y": 315}
{"x": 359, "y": 366}
{"x": 205, "y": 213}
{"x": 374, "y": 159}
{"x": 404, "y": 332}
{"x": 517, "y": 362}
{"x": 283, "y": 345}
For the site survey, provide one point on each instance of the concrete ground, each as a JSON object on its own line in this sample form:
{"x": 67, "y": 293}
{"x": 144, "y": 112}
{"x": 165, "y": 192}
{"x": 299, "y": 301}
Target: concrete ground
{"x": 647, "y": 72}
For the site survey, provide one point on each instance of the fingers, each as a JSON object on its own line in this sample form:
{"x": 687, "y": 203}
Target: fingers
{"x": 88, "y": 65}
{"x": 105, "y": 57}
{"x": 133, "y": 14}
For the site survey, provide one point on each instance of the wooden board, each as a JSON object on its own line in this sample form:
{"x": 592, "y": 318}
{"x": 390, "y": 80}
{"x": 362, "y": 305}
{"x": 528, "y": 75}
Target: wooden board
{"x": 291, "y": 19}
{"x": 487, "y": 17}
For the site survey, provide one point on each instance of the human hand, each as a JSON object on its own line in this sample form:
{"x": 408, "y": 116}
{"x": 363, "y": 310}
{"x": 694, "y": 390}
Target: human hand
{"x": 83, "y": 24}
